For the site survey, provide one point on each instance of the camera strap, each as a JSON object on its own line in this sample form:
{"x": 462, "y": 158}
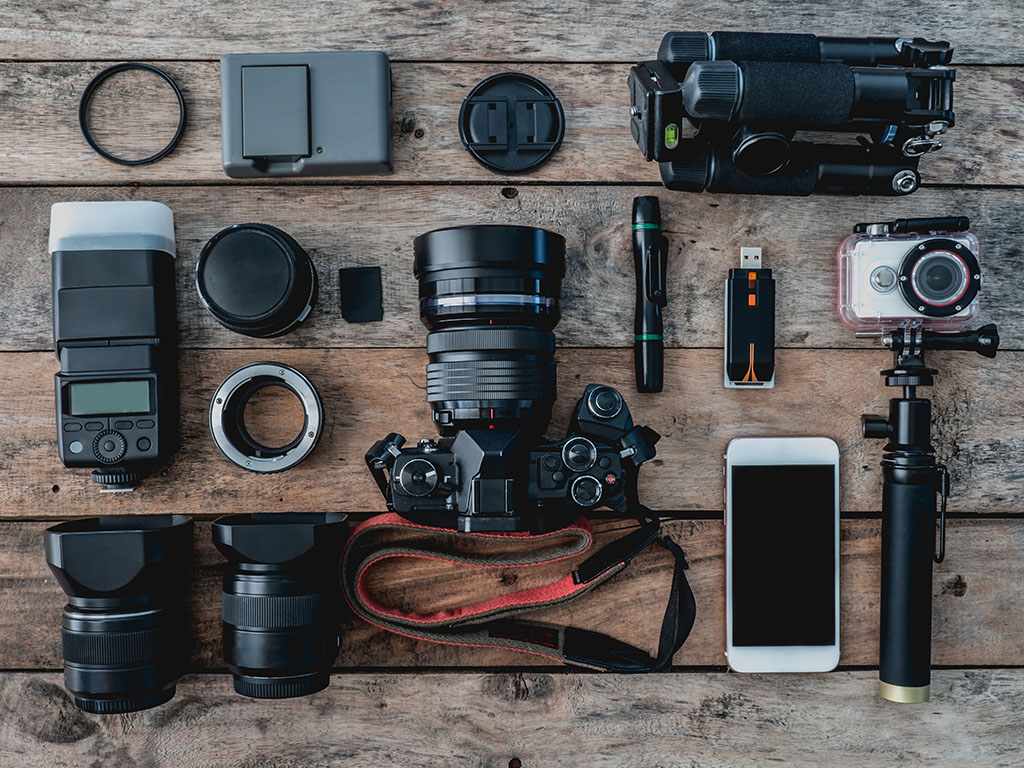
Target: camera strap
{"x": 494, "y": 622}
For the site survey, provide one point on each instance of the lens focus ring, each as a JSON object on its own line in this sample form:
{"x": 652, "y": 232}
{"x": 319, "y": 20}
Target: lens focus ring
{"x": 271, "y": 611}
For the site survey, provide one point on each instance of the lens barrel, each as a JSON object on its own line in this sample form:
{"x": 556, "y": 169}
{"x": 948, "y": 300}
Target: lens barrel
{"x": 124, "y": 633}
{"x": 281, "y": 600}
{"x": 489, "y": 299}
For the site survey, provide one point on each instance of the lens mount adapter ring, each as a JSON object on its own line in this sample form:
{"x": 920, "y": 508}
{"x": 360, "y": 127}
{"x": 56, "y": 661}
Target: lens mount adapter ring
{"x": 227, "y": 425}
{"x": 90, "y": 91}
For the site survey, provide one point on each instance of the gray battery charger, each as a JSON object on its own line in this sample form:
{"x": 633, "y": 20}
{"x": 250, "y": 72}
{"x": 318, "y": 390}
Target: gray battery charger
{"x": 306, "y": 114}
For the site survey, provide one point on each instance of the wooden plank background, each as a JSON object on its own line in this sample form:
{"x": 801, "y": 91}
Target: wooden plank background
{"x": 396, "y": 701}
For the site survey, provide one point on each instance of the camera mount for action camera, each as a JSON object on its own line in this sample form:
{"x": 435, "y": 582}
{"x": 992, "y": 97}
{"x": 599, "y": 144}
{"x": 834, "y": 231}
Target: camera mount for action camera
{"x": 912, "y": 478}
{"x": 747, "y": 94}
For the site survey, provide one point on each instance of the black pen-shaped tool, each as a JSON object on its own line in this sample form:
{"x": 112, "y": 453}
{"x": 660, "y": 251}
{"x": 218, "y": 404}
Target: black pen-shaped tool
{"x": 650, "y": 257}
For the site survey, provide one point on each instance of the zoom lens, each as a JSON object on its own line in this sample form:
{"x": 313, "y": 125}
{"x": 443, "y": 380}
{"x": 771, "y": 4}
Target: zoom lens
{"x": 940, "y": 278}
{"x": 123, "y": 634}
{"x": 280, "y": 602}
{"x": 489, "y": 299}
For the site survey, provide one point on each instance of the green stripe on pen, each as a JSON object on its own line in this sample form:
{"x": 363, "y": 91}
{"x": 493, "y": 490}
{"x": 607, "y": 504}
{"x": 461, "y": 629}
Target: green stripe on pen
{"x": 646, "y": 226}
{"x": 648, "y": 337}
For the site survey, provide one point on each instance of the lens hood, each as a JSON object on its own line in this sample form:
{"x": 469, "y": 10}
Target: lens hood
{"x": 281, "y": 600}
{"x": 123, "y": 634}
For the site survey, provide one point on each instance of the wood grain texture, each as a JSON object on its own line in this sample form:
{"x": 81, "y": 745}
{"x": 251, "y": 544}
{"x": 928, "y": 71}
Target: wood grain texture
{"x": 978, "y": 611}
{"x": 40, "y": 141}
{"x": 978, "y": 429}
{"x": 709, "y": 720}
{"x": 538, "y": 30}
{"x": 350, "y": 226}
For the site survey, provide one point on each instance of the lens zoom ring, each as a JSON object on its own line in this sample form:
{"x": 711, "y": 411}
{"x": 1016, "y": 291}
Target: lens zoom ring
{"x": 490, "y": 338}
{"x": 491, "y": 380}
{"x": 112, "y": 648}
{"x": 271, "y": 611}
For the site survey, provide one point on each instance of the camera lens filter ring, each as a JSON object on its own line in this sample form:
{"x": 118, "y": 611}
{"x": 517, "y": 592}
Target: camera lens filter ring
{"x": 90, "y": 91}
{"x": 227, "y": 418}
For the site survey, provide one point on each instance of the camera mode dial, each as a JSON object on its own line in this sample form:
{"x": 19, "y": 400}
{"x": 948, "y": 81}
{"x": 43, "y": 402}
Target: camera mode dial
{"x": 109, "y": 446}
{"x": 604, "y": 402}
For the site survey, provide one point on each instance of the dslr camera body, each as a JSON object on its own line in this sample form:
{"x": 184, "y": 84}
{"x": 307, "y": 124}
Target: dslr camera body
{"x": 909, "y": 272}
{"x": 489, "y": 300}
{"x": 496, "y": 480}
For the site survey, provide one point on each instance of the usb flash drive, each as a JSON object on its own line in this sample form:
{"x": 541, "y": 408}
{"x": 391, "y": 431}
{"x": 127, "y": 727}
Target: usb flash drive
{"x": 750, "y": 324}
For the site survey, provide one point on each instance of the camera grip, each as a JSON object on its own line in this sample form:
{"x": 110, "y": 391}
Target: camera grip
{"x": 908, "y": 540}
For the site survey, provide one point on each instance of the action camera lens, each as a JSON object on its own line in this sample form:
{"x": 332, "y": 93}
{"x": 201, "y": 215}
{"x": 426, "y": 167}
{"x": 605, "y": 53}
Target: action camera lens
{"x": 123, "y": 632}
{"x": 939, "y": 278}
{"x": 489, "y": 299}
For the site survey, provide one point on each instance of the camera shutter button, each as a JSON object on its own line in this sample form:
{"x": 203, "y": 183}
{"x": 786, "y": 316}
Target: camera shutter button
{"x": 109, "y": 446}
{"x": 579, "y": 454}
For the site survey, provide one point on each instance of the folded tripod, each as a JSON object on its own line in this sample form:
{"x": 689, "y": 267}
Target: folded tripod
{"x": 748, "y": 94}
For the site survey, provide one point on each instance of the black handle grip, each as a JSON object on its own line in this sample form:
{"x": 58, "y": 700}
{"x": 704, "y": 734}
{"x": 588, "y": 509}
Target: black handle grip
{"x": 908, "y": 539}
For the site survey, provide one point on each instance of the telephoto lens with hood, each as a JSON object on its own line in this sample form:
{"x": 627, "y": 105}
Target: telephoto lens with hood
{"x": 124, "y": 631}
{"x": 281, "y": 600}
{"x": 489, "y": 299}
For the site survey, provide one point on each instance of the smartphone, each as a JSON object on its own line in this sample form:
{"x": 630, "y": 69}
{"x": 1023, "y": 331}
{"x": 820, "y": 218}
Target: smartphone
{"x": 782, "y": 554}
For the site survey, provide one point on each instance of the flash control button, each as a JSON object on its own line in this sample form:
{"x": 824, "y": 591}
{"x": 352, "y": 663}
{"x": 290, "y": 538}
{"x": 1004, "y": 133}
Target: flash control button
{"x": 109, "y": 447}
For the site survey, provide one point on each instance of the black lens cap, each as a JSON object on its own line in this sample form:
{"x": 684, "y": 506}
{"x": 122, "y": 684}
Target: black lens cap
{"x": 511, "y": 123}
{"x": 256, "y": 280}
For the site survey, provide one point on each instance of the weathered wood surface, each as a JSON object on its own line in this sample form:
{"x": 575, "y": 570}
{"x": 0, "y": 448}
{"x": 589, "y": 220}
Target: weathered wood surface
{"x": 134, "y": 114}
{"x": 708, "y": 720}
{"x": 349, "y": 226}
{"x": 978, "y": 429}
{"x": 978, "y": 609}
{"x": 537, "y": 30}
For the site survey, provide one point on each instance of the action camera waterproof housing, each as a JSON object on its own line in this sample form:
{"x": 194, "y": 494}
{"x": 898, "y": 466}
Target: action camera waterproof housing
{"x": 920, "y": 273}
{"x": 114, "y": 333}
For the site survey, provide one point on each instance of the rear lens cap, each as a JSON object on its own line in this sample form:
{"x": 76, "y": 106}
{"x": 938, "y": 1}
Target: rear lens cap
{"x": 256, "y": 280}
{"x": 511, "y": 123}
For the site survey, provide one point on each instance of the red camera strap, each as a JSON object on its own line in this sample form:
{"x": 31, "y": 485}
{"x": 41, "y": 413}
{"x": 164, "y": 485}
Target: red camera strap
{"x": 490, "y": 623}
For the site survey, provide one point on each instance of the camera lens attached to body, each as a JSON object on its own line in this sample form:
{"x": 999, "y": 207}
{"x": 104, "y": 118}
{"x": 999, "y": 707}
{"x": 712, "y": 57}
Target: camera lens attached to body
{"x": 227, "y": 418}
{"x": 281, "y": 600}
{"x": 489, "y": 298}
{"x": 123, "y": 631}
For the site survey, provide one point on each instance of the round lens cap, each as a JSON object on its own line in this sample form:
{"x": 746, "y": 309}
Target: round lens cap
{"x": 256, "y": 280}
{"x": 511, "y": 123}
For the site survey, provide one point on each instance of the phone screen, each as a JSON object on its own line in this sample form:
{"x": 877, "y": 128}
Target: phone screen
{"x": 783, "y": 555}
